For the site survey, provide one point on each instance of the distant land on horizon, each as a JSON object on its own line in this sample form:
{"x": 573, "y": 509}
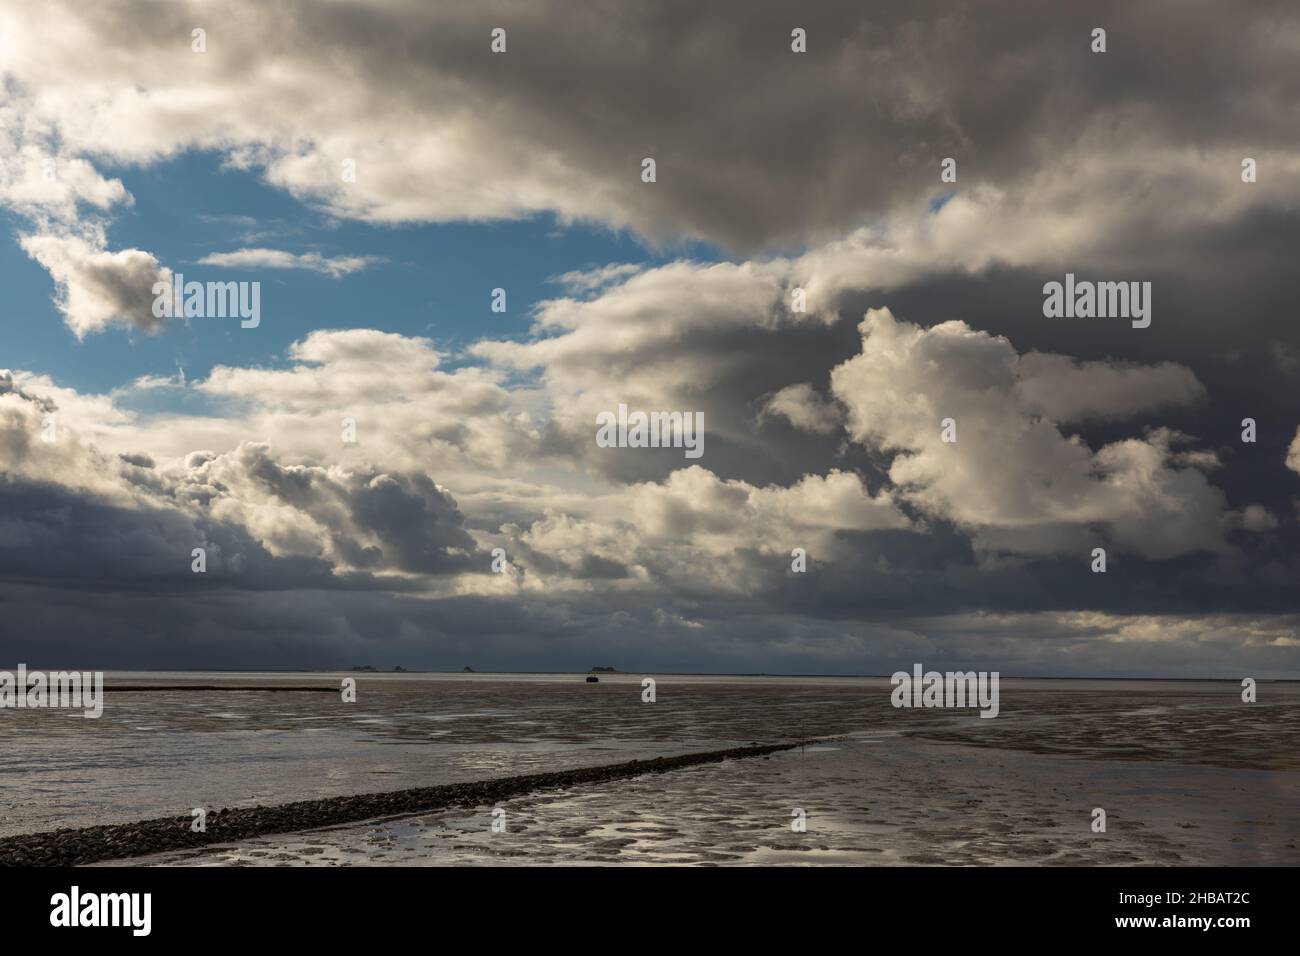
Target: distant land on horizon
{"x": 368, "y": 669}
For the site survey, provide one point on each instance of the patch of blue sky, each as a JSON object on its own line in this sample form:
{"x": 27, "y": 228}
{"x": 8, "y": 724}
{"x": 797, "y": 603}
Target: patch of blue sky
{"x": 431, "y": 280}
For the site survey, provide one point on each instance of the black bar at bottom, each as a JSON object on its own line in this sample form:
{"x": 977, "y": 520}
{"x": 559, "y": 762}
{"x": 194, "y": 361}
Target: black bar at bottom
{"x": 332, "y": 906}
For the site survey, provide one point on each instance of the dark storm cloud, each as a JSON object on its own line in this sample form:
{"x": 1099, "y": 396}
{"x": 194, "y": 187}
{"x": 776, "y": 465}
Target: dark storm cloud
{"x": 77, "y": 517}
{"x": 334, "y": 629}
{"x": 67, "y": 540}
{"x": 374, "y": 520}
{"x": 756, "y": 146}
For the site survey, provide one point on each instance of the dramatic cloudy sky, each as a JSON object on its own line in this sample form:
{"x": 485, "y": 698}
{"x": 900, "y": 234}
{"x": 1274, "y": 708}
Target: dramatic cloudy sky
{"x": 127, "y": 157}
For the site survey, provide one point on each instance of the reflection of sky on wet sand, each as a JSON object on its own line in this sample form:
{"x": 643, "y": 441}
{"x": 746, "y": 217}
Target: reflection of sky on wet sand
{"x": 162, "y": 753}
{"x": 910, "y": 801}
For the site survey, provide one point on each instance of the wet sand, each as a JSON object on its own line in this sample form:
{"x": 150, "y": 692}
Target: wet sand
{"x": 163, "y": 752}
{"x": 71, "y": 847}
{"x": 1186, "y": 772}
{"x": 868, "y": 801}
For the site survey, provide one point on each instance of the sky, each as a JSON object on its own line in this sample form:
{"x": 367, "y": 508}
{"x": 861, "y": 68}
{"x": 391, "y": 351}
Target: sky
{"x": 386, "y": 470}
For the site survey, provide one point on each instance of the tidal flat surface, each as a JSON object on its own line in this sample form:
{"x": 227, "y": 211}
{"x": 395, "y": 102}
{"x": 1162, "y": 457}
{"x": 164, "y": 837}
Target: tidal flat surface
{"x": 1185, "y": 770}
{"x": 865, "y": 801}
